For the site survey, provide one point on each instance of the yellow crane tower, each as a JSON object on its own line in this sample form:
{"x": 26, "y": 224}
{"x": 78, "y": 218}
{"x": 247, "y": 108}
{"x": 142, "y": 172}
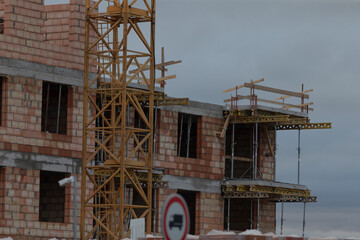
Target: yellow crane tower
{"x": 119, "y": 51}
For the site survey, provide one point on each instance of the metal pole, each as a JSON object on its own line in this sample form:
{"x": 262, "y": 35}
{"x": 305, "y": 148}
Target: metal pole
{"x": 180, "y": 137}
{"x": 75, "y": 207}
{"x": 299, "y": 156}
{"x": 153, "y": 162}
{"x": 47, "y": 105}
{"x": 303, "y": 231}
{"x": 299, "y": 150}
{"x": 232, "y": 150}
{"x": 255, "y": 150}
{"x": 251, "y": 214}
{"x": 58, "y": 113}
{"x": 258, "y": 214}
{"x": 282, "y": 217}
{"x": 188, "y": 136}
{"x": 228, "y": 215}
{"x": 154, "y": 215}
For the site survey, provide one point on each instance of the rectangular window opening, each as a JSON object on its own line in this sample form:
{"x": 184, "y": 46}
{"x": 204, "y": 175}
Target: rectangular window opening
{"x": 54, "y": 108}
{"x": 190, "y": 199}
{"x": 187, "y": 135}
{"x": 52, "y": 197}
{"x": 1, "y": 96}
{"x": 2, "y": 25}
{"x": 243, "y": 147}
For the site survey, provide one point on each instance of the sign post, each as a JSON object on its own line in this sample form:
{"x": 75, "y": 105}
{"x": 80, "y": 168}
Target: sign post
{"x": 175, "y": 218}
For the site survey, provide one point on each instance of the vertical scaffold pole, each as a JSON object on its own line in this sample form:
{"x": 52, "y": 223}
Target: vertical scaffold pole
{"x": 282, "y": 217}
{"x": 303, "y": 230}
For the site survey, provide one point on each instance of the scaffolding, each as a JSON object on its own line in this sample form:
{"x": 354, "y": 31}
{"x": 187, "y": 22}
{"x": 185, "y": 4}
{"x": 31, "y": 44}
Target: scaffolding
{"x": 275, "y": 115}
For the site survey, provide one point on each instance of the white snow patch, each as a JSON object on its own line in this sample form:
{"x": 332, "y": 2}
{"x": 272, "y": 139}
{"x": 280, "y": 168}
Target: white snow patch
{"x": 152, "y": 236}
{"x": 270, "y": 234}
{"x": 189, "y": 236}
{"x": 251, "y": 232}
{"x": 217, "y": 232}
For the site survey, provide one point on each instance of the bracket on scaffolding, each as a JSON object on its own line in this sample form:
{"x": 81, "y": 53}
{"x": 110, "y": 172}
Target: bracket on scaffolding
{"x": 304, "y": 126}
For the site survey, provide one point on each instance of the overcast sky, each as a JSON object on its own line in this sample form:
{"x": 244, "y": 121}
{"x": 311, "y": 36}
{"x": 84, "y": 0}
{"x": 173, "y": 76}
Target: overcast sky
{"x": 289, "y": 43}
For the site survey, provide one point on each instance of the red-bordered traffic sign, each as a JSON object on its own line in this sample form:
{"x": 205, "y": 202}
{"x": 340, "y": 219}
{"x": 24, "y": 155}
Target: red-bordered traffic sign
{"x": 175, "y": 218}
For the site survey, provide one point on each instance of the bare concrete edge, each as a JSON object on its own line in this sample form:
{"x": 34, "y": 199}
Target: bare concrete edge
{"x": 259, "y": 182}
{"x": 16, "y": 67}
{"x": 198, "y": 108}
{"x": 35, "y": 161}
{"x": 193, "y": 184}
{"x": 273, "y": 109}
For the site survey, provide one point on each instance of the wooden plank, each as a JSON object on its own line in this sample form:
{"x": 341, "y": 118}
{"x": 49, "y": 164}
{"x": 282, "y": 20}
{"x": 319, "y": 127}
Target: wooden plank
{"x": 282, "y": 104}
{"x": 239, "y": 97}
{"x": 227, "y": 121}
{"x": 157, "y": 80}
{"x": 269, "y": 142}
{"x": 157, "y": 66}
{"x": 273, "y": 102}
{"x": 276, "y": 90}
{"x": 160, "y": 80}
{"x": 300, "y": 105}
{"x": 287, "y": 96}
{"x": 241, "y": 86}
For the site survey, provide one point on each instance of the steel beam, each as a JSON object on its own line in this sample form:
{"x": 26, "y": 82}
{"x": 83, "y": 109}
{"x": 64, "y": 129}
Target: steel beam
{"x": 326, "y": 125}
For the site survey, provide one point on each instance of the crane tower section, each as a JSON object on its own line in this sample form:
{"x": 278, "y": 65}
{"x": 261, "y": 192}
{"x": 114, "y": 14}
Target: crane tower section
{"x": 118, "y": 117}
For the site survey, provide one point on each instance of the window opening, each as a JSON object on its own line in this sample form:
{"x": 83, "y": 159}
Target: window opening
{"x": 52, "y": 197}
{"x": 243, "y": 148}
{"x": 190, "y": 199}
{"x": 2, "y": 25}
{"x": 1, "y": 96}
{"x": 54, "y": 108}
{"x": 187, "y": 135}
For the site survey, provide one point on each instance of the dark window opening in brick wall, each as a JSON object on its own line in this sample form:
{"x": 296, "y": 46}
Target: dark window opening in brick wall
{"x": 243, "y": 150}
{"x": 52, "y": 197}
{"x": 187, "y": 135}
{"x": 240, "y": 214}
{"x": 1, "y": 96}
{"x": 54, "y": 108}
{"x": 190, "y": 199}
{"x": 2, "y": 191}
{"x": 140, "y": 124}
{"x": 138, "y": 200}
{"x": 2, "y": 25}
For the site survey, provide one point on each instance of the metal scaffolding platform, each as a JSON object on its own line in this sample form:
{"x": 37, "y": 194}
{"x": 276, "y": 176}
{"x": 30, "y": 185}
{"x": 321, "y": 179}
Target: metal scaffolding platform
{"x": 270, "y": 190}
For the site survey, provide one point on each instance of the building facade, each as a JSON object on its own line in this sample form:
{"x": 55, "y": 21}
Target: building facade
{"x": 41, "y": 69}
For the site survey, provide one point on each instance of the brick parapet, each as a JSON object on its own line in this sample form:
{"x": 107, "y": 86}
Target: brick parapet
{"x": 52, "y": 35}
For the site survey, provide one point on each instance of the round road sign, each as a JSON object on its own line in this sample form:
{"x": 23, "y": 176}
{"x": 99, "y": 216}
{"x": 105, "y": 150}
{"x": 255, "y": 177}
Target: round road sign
{"x": 175, "y": 218}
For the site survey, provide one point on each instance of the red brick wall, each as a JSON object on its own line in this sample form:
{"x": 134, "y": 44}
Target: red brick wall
{"x": 20, "y": 218}
{"x": 21, "y": 120}
{"x": 209, "y": 210}
{"x": 266, "y": 160}
{"x": 29, "y": 36}
{"x": 209, "y": 162}
{"x": 57, "y": 24}
{"x": 211, "y": 213}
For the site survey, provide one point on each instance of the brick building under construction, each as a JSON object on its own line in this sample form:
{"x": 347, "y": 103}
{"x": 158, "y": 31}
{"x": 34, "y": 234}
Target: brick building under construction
{"x": 220, "y": 159}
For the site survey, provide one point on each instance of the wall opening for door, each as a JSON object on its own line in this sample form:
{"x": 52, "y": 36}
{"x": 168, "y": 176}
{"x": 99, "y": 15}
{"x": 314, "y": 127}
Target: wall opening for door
{"x": 190, "y": 199}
